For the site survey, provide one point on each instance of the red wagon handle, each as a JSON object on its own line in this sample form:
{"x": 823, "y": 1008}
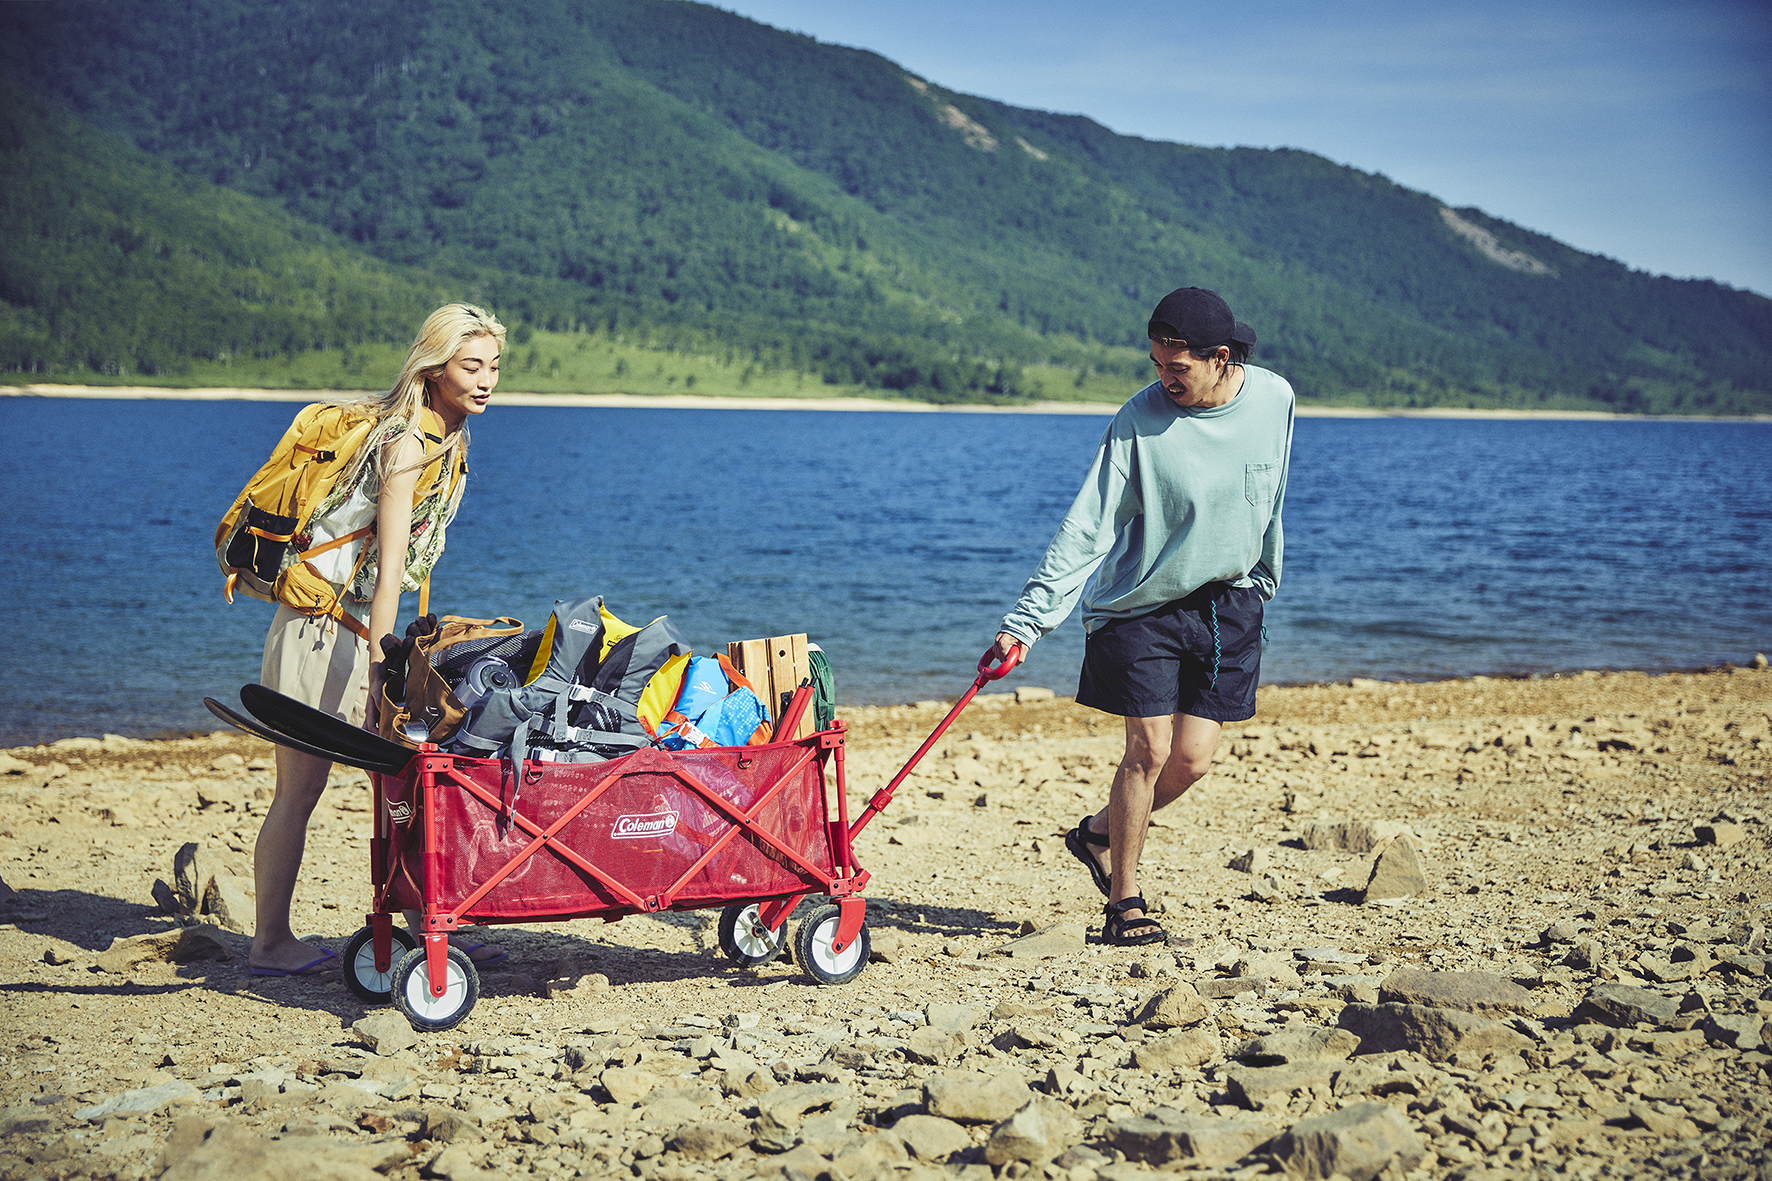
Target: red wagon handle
{"x": 986, "y": 672}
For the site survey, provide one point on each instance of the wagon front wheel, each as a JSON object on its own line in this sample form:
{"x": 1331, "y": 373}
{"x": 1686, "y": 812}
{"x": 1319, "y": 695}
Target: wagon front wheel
{"x": 412, "y": 991}
{"x": 360, "y": 974}
{"x": 825, "y": 965}
{"x": 746, "y": 940}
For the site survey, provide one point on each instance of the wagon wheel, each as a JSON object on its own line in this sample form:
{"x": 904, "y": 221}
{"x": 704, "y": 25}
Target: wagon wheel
{"x": 745, "y": 940}
{"x": 412, "y": 991}
{"x": 814, "y": 948}
{"x": 360, "y": 974}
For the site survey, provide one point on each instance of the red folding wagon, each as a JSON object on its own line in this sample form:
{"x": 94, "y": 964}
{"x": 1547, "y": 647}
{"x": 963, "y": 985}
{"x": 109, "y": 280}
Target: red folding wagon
{"x": 751, "y": 829}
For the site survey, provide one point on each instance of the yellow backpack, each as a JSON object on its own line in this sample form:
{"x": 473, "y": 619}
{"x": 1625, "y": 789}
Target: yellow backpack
{"x": 263, "y": 544}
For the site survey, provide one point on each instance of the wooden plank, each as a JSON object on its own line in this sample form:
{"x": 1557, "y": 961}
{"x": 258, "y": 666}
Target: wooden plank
{"x": 751, "y": 659}
{"x": 775, "y": 667}
{"x": 787, "y": 668}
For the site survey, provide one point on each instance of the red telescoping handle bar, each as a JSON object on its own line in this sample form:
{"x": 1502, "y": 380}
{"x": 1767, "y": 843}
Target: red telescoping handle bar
{"x": 986, "y": 672}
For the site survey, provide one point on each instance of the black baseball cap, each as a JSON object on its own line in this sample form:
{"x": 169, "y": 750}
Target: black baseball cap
{"x": 1199, "y": 319}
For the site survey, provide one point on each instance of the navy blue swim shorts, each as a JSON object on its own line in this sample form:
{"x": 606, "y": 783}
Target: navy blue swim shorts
{"x": 1200, "y": 656}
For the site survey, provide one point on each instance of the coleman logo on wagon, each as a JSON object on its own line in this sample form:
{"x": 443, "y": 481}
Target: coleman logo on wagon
{"x": 652, "y": 824}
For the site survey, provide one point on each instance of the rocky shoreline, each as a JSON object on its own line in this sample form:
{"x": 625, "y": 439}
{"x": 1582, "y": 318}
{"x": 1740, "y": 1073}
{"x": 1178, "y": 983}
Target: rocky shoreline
{"x": 1470, "y": 929}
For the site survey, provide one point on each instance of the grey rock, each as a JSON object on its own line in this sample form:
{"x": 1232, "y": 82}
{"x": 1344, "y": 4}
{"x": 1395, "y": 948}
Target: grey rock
{"x": 1176, "y": 1007}
{"x": 934, "y": 1046}
{"x": 1255, "y": 860}
{"x": 26, "y": 1118}
{"x": 1670, "y": 1127}
{"x": 972, "y": 1098}
{"x": 747, "y": 1084}
{"x": 385, "y": 1032}
{"x": 228, "y": 901}
{"x": 930, "y": 1137}
{"x": 948, "y": 1016}
{"x": 202, "y": 1149}
{"x": 1040, "y": 1130}
{"x": 1183, "y": 1050}
{"x": 446, "y": 1127}
{"x": 1272, "y": 967}
{"x": 1585, "y": 954}
{"x": 1254, "y": 1086}
{"x": 1358, "y": 1142}
{"x": 1623, "y": 1004}
{"x": 1482, "y": 993}
{"x": 177, "y": 946}
{"x": 709, "y": 1140}
{"x": 1166, "y": 1136}
{"x": 785, "y": 1106}
{"x": 1396, "y": 873}
{"x": 1059, "y": 939}
{"x": 627, "y": 1084}
{"x": 140, "y": 1101}
{"x": 886, "y": 945}
{"x": 1561, "y": 931}
{"x": 1435, "y": 1034}
{"x": 456, "y": 1164}
{"x": 163, "y": 896}
{"x": 1721, "y": 834}
{"x": 1351, "y": 836}
{"x": 1739, "y": 1032}
{"x": 1489, "y": 1130}
{"x": 1219, "y": 987}
{"x": 873, "y": 1156}
{"x": 1310, "y": 1044}
{"x": 189, "y": 876}
{"x": 1328, "y": 960}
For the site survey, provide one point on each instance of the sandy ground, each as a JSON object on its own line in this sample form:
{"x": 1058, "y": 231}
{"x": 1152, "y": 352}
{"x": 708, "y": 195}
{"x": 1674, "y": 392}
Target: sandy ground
{"x": 1574, "y": 834}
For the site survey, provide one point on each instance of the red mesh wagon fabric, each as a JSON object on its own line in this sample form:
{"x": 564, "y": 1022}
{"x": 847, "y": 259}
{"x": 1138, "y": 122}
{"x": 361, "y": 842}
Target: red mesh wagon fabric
{"x": 635, "y": 847}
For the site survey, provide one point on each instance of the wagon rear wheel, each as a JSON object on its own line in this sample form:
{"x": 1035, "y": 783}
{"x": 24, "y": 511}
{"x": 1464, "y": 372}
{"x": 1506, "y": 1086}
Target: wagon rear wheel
{"x": 360, "y": 975}
{"x": 745, "y": 940}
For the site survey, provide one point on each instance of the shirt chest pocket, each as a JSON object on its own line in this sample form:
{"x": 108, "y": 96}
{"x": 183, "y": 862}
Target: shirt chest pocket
{"x": 1259, "y": 480}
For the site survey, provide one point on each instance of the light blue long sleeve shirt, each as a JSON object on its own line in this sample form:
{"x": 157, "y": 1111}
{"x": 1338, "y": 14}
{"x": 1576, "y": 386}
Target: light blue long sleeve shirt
{"x": 1175, "y": 499}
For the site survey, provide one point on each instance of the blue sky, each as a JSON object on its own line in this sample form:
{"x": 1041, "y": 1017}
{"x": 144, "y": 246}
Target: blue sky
{"x": 1635, "y": 130}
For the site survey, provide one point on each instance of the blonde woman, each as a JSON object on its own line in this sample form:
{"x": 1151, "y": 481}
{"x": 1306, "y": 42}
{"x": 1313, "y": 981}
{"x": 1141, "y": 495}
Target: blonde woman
{"x": 449, "y": 375}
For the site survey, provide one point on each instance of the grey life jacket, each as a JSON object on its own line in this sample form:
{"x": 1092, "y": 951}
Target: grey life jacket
{"x": 578, "y": 708}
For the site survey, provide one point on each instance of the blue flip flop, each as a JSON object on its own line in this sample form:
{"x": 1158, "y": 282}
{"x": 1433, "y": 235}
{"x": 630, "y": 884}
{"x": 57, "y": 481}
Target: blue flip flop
{"x": 312, "y": 968}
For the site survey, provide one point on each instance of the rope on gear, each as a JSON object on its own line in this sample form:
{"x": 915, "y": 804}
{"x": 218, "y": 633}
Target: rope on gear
{"x": 1217, "y": 651}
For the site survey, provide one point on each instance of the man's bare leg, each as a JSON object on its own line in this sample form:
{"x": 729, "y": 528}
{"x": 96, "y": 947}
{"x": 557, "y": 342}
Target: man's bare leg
{"x": 1165, "y": 756}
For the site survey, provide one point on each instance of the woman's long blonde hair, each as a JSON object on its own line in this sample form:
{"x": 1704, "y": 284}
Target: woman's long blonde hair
{"x": 441, "y": 336}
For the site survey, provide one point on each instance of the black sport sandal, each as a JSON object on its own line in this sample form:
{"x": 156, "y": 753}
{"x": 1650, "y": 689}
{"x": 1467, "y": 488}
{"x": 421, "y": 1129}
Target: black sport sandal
{"x": 1121, "y": 931}
{"x": 1078, "y": 840}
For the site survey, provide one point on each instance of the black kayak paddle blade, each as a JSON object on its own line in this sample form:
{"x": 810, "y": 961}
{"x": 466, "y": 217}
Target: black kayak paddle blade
{"x": 307, "y": 724}
{"x": 260, "y": 730}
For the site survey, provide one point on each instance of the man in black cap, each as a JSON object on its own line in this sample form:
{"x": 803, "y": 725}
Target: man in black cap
{"x": 1179, "y": 522}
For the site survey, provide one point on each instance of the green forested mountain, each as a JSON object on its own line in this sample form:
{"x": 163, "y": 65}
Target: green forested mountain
{"x": 665, "y": 168}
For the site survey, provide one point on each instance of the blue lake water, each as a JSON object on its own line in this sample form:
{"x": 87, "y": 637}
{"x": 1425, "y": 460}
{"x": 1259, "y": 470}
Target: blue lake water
{"x": 1416, "y": 548}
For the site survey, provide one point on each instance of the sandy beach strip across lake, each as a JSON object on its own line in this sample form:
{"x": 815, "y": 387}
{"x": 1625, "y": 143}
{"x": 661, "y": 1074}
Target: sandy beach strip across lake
{"x": 706, "y": 402}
